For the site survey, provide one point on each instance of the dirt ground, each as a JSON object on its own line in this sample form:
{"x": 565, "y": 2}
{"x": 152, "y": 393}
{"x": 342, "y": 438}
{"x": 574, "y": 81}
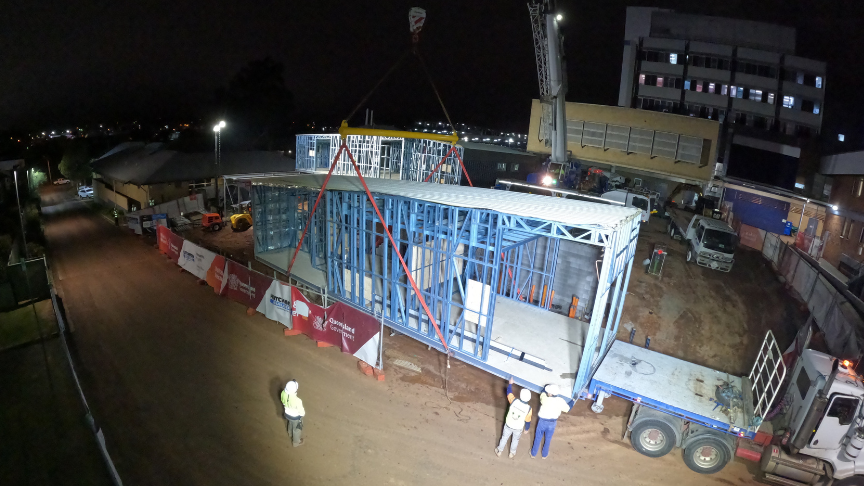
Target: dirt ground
{"x": 186, "y": 387}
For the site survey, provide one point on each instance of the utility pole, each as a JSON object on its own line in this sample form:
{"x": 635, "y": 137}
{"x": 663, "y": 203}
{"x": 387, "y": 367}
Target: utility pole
{"x": 21, "y": 215}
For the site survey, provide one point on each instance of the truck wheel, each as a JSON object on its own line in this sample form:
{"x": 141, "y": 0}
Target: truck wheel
{"x": 706, "y": 455}
{"x": 217, "y": 227}
{"x": 689, "y": 255}
{"x": 851, "y": 481}
{"x": 652, "y": 437}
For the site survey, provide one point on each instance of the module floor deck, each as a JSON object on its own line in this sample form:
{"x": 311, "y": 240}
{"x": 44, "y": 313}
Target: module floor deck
{"x": 674, "y": 382}
{"x": 303, "y": 269}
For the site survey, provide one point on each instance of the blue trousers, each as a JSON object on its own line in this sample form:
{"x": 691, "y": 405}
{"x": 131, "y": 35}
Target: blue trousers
{"x": 545, "y": 428}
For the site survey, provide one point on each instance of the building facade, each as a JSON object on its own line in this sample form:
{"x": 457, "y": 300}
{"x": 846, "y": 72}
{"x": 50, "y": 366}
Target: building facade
{"x": 844, "y": 249}
{"x": 743, "y": 74}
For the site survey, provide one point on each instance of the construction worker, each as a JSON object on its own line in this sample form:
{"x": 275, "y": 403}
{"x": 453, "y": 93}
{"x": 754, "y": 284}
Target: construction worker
{"x": 551, "y": 407}
{"x": 518, "y": 415}
{"x": 293, "y": 412}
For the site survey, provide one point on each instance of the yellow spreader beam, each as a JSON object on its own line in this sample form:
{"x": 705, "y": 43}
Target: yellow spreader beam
{"x": 345, "y": 130}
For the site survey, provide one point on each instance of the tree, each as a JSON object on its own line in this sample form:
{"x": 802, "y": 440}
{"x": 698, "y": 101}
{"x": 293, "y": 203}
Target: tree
{"x": 257, "y": 103}
{"x": 75, "y": 164}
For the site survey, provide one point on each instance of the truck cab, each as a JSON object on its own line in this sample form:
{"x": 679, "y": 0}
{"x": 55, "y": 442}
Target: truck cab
{"x": 710, "y": 243}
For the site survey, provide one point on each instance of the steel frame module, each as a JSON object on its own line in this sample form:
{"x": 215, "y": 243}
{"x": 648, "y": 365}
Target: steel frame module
{"x": 445, "y": 247}
{"x": 380, "y": 157}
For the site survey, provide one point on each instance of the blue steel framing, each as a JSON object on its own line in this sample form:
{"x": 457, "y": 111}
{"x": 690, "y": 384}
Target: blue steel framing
{"x": 445, "y": 248}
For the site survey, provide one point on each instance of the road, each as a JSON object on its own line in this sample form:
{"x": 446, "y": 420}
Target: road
{"x": 185, "y": 386}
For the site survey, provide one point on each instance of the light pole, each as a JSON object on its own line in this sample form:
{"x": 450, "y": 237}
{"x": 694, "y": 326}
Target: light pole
{"x": 217, "y": 141}
{"x": 21, "y": 215}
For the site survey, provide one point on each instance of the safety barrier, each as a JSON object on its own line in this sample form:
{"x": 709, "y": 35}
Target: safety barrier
{"x": 97, "y": 431}
{"x": 353, "y": 331}
{"x": 830, "y": 308}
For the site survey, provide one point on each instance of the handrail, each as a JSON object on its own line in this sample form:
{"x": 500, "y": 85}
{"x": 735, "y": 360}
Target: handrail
{"x": 345, "y": 131}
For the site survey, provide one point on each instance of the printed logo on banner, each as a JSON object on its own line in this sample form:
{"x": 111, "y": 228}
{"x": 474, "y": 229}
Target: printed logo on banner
{"x": 345, "y": 330}
{"x": 319, "y": 324}
{"x": 280, "y": 303}
{"x": 188, "y": 256}
{"x": 175, "y": 248}
{"x": 300, "y": 309}
{"x": 235, "y": 283}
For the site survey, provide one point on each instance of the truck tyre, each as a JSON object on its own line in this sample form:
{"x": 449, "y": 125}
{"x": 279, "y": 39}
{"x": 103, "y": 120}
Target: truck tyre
{"x": 652, "y": 437}
{"x": 689, "y": 255}
{"x": 217, "y": 226}
{"x": 850, "y": 481}
{"x": 706, "y": 455}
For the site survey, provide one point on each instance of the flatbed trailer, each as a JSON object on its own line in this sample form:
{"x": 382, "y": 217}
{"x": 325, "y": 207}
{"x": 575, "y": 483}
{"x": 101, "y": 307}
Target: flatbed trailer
{"x": 681, "y": 404}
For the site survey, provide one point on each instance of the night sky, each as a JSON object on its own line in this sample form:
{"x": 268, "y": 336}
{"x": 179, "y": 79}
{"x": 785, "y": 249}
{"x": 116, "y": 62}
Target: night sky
{"x": 67, "y": 63}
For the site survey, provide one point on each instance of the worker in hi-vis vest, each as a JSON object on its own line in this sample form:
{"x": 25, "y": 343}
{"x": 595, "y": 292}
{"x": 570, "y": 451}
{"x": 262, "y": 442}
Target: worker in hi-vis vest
{"x": 518, "y": 419}
{"x": 293, "y": 412}
{"x": 552, "y": 405}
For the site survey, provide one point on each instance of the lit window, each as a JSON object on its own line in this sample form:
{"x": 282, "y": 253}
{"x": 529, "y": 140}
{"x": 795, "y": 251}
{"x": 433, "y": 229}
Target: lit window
{"x": 771, "y": 98}
{"x": 724, "y": 90}
{"x": 799, "y": 185}
{"x": 711, "y": 87}
{"x": 502, "y": 166}
{"x": 733, "y": 91}
{"x": 756, "y": 94}
{"x": 641, "y": 79}
{"x": 673, "y": 58}
{"x": 788, "y": 102}
{"x": 699, "y": 86}
{"x": 818, "y": 81}
{"x": 815, "y": 108}
{"x": 847, "y": 227}
{"x": 687, "y": 84}
{"x": 841, "y": 137}
{"x": 312, "y": 152}
{"x": 659, "y": 82}
{"x": 515, "y": 167}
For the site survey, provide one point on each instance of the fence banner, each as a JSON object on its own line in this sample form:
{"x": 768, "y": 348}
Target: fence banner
{"x": 276, "y": 304}
{"x": 243, "y": 285}
{"x": 308, "y": 317}
{"x": 750, "y": 236}
{"x": 162, "y": 237}
{"x": 215, "y": 273}
{"x": 196, "y": 260}
{"x": 360, "y": 333}
{"x": 173, "y": 245}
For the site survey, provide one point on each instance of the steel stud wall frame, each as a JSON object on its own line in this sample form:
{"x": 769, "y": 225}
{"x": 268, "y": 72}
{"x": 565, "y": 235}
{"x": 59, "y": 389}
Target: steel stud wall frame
{"x": 447, "y": 249}
{"x": 381, "y": 157}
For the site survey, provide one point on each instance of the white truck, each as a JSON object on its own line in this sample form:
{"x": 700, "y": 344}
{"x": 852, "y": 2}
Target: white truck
{"x": 813, "y": 436}
{"x": 710, "y": 243}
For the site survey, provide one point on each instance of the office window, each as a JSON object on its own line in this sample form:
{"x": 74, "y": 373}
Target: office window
{"x": 659, "y": 82}
{"x": 755, "y": 95}
{"x": 815, "y": 108}
{"x": 770, "y": 98}
{"x": 673, "y": 58}
{"x": 847, "y": 228}
{"x": 502, "y": 166}
{"x": 515, "y": 167}
{"x": 788, "y": 102}
{"x": 818, "y": 81}
{"x": 841, "y": 137}
{"x": 711, "y": 87}
{"x": 699, "y": 86}
{"x": 641, "y": 79}
{"x": 687, "y": 84}
{"x": 740, "y": 93}
{"x": 724, "y": 90}
{"x": 733, "y": 91}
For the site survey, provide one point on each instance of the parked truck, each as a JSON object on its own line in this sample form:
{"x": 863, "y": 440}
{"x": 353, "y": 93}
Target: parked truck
{"x": 710, "y": 242}
{"x": 714, "y": 416}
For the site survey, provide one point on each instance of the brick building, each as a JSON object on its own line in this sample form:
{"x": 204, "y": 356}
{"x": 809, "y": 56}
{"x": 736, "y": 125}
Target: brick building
{"x": 845, "y": 247}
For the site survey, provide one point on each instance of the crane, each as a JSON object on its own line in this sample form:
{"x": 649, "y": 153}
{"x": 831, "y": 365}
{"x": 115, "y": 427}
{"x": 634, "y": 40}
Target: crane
{"x": 553, "y": 84}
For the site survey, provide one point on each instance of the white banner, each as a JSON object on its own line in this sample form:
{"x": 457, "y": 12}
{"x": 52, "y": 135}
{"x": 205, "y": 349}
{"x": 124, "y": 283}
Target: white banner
{"x": 195, "y": 260}
{"x": 369, "y": 351}
{"x": 276, "y": 304}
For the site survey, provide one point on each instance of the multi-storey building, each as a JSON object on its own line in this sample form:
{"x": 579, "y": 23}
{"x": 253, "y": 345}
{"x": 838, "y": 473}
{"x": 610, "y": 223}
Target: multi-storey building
{"x": 743, "y": 74}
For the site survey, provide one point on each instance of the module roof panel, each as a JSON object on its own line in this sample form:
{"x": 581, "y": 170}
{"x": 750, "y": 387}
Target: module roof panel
{"x": 556, "y": 209}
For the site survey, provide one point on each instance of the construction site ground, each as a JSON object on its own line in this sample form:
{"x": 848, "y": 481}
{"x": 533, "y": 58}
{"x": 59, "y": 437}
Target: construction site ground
{"x": 185, "y": 383}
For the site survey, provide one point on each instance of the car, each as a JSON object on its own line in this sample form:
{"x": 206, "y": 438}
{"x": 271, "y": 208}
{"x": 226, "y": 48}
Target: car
{"x": 85, "y": 191}
{"x": 61, "y": 181}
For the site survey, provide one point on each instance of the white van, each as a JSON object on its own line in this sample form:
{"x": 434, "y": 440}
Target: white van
{"x": 630, "y": 199}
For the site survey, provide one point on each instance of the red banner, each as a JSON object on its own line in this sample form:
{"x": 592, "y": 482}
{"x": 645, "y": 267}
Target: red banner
{"x": 216, "y": 272}
{"x": 243, "y": 285}
{"x": 308, "y": 318}
{"x": 170, "y": 243}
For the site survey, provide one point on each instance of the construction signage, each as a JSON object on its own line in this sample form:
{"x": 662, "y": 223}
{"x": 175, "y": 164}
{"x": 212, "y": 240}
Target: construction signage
{"x": 170, "y": 243}
{"x": 243, "y": 285}
{"x": 199, "y": 261}
{"x": 276, "y": 304}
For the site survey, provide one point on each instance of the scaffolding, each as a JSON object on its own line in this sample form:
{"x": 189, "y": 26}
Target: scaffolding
{"x": 470, "y": 251}
{"x": 381, "y": 157}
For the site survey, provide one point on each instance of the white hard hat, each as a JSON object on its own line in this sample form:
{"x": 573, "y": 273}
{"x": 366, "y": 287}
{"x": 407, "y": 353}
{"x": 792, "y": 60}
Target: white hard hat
{"x": 525, "y": 394}
{"x": 551, "y": 389}
{"x": 291, "y": 387}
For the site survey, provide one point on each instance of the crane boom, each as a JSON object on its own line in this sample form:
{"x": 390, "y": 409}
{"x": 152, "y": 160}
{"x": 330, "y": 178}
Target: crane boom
{"x": 550, "y": 75}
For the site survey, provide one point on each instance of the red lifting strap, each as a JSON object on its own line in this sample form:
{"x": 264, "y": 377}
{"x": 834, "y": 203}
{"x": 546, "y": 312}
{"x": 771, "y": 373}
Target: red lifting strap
{"x": 386, "y": 230}
{"x": 459, "y": 158}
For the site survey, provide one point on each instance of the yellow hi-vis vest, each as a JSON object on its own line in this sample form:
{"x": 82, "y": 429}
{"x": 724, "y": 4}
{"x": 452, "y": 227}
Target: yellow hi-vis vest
{"x": 516, "y": 415}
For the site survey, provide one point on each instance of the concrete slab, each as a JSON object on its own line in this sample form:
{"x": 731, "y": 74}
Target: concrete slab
{"x": 303, "y": 268}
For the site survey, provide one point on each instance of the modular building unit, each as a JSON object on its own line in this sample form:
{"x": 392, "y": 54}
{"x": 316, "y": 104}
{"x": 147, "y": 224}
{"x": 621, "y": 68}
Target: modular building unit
{"x": 492, "y": 266}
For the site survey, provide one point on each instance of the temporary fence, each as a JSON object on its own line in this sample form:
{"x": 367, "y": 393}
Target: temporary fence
{"x": 342, "y": 325}
{"x": 143, "y": 220}
{"x": 97, "y": 431}
{"x": 831, "y": 310}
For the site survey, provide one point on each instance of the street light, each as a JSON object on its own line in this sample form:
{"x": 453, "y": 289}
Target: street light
{"x": 559, "y": 17}
{"x": 217, "y": 136}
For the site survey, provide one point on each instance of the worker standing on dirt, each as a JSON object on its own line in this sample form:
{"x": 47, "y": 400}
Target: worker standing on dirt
{"x": 518, "y": 415}
{"x": 551, "y": 407}
{"x": 293, "y": 412}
